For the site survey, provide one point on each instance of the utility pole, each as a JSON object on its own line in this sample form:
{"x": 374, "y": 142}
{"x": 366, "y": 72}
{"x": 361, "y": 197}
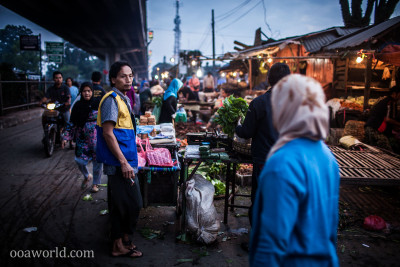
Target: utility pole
{"x": 213, "y": 35}
{"x": 40, "y": 61}
{"x": 177, "y": 31}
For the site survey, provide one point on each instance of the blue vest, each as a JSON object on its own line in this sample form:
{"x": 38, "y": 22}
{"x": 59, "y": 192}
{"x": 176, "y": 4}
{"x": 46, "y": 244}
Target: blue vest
{"x": 124, "y": 133}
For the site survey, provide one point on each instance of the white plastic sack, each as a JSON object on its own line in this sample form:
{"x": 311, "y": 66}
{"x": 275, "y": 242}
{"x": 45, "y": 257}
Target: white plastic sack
{"x": 201, "y": 215}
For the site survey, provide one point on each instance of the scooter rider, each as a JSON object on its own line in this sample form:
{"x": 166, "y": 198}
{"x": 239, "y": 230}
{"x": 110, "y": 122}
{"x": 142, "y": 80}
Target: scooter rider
{"x": 59, "y": 92}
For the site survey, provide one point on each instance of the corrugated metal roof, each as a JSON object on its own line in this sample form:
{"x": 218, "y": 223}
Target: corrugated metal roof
{"x": 364, "y": 35}
{"x": 314, "y": 42}
{"x": 311, "y": 41}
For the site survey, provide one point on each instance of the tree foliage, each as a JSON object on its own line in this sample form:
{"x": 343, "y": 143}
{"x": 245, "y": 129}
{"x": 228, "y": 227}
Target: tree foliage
{"x": 77, "y": 64}
{"x": 354, "y": 18}
{"x": 385, "y": 9}
{"x": 10, "y": 53}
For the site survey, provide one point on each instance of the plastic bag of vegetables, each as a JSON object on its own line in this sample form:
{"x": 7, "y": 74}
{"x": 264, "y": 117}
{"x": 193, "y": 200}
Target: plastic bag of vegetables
{"x": 233, "y": 108}
{"x": 201, "y": 215}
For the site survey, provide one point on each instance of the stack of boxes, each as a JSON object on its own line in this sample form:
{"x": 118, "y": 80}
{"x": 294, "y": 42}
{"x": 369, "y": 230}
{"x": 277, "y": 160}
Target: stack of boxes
{"x": 147, "y": 119}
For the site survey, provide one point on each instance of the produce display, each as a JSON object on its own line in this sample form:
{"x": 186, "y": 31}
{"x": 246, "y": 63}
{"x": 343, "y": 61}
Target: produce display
{"x": 233, "y": 108}
{"x": 245, "y": 169}
{"x": 351, "y": 105}
{"x": 213, "y": 173}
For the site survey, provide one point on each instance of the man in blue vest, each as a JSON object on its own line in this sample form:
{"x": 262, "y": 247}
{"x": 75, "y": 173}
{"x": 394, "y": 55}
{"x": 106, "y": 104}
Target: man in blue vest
{"x": 116, "y": 148}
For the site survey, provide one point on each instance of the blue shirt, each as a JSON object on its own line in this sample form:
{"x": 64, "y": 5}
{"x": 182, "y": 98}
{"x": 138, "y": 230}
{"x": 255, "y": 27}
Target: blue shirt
{"x": 295, "y": 214}
{"x": 74, "y": 93}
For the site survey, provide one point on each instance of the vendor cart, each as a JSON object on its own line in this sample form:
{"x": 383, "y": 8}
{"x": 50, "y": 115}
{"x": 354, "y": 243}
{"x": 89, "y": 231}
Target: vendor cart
{"x": 159, "y": 184}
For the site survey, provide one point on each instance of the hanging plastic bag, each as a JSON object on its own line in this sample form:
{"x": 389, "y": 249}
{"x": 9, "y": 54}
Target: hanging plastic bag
{"x": 181, "y": 115}
{"x": 201, "y": 214}
{"x": 141, "y": 154}
{"x": 156, "y": 112}
{"x": 158, "y": 156}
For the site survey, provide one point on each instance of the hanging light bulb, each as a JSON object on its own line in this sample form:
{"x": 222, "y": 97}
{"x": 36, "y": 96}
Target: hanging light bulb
{"x": 359, "y": 59}
{"x": 269, "y": 60}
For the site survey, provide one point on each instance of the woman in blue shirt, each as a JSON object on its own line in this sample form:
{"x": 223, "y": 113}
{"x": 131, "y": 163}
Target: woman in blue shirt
{"x": 295, "y": 214}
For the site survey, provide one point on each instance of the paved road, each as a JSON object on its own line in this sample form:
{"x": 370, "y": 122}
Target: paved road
{"x": 35, "y": 191}
{"x": 45, "y": 193}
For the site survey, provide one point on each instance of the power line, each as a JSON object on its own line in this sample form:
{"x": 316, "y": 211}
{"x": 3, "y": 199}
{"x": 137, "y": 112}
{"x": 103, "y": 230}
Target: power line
{"x": 205, "y": 37}
{"x": 237, "y": 19}
{"x": 232, "y": 11}
{"x": 265, "y": 17}
{"x": 199, "y": 33}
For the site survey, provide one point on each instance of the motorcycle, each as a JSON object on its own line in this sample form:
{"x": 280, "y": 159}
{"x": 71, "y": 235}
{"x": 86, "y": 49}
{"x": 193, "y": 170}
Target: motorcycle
{"x": 53, "y": 123}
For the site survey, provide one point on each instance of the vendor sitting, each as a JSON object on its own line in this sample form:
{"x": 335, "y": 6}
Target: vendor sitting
{"x": 383, "y": 125}
{"x": 185, "y": 94}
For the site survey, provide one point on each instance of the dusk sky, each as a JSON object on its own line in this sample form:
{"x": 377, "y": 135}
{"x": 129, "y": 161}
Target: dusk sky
{"x": 234, "y": 20}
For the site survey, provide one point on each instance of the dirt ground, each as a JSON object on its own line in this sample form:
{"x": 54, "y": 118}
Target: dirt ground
{"x": 45, "y": 193}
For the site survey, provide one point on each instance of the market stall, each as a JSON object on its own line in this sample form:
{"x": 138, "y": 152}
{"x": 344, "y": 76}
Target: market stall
{"x": 197, "y": 107}
{"x": 158, "y": 171}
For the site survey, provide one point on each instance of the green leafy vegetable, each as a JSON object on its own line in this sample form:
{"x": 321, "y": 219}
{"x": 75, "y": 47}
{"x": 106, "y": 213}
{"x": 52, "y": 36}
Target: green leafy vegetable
{"x": 157, "y": 101}
{"x": 233, "y": 108}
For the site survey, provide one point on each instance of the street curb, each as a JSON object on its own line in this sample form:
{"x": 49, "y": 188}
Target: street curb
{"x": 19, "y": 117}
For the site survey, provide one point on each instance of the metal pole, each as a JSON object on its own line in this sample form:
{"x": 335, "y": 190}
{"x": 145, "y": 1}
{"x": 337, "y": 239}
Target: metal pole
{"x": 26, "y": 89}
{"x": 213, "y": 35}
{"x": 1, "y": 97}
{"x": 368, "y": 74}
{"x": 40, "y": 59}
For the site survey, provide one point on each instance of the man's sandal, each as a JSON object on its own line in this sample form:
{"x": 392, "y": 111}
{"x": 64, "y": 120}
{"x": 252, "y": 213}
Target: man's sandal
{"x": 128, "y": 244}
{"x": 129, "y": 254}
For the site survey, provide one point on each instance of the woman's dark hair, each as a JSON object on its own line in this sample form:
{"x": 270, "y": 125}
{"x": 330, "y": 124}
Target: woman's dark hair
{"x": 115, "y": 68}
{"x": 85, "y": 84}
{"x": 277, "y": 72}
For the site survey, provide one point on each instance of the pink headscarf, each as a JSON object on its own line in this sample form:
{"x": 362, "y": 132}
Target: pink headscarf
{"x": 298, "y": 110}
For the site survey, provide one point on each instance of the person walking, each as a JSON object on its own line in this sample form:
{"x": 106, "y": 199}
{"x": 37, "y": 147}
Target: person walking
{"x": 208, "y": 83}
{"x": 98, "y": 90}
{"x": 169, "y": 104}
{"x": 116, "y": 149}
{"x": 82, "y": 130}
{"x": 296, "y": 209}
{"x": 258, "y": 126}
{"x": 144, "y": 96}
{"x": 194, "y": 85}
{"x": 74, "y": 91}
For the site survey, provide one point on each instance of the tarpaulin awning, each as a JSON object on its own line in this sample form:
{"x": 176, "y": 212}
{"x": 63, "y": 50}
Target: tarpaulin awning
{"x": 390, "y": 54}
